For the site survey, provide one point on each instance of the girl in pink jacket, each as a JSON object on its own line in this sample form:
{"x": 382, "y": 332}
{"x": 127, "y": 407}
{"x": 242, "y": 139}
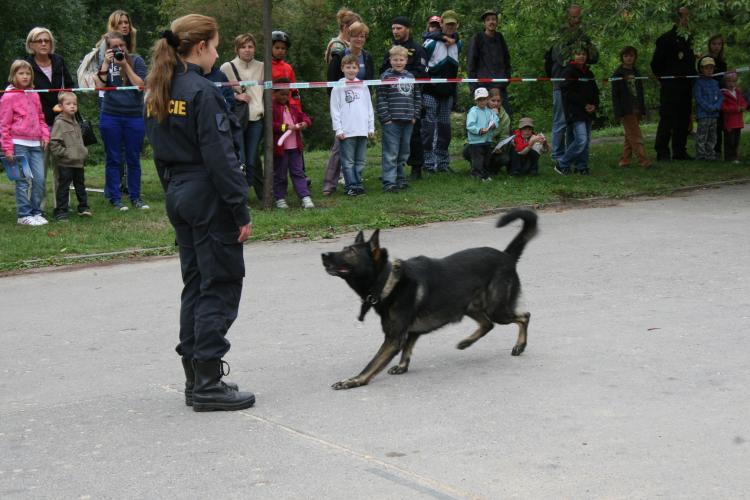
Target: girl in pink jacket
{"x": 732, "y": 108}
{"x": 25, "y": 134}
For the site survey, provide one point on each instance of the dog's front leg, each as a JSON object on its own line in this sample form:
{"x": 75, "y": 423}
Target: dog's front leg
{"x": 385, "y": 354}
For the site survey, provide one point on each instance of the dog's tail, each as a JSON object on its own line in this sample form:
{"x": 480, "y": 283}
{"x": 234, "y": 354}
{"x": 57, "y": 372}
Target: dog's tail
{"x": 528, "y": 231}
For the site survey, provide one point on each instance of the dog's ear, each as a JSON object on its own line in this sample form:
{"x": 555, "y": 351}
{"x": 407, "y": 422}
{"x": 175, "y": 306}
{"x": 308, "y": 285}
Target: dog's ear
{"x": 360, "y": 238}
{"x": 375, "y": 241}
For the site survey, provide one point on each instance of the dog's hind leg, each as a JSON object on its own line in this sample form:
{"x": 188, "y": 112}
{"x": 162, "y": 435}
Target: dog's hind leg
{"x": 385, "y": 354}
{"x": 522, "y": 320}
{"x": 403, "y": 364}
{"x": 485, "y": 325}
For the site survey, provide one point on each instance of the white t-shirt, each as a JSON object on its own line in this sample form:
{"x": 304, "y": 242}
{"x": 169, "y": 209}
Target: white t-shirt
{"x": 351, "y": 110}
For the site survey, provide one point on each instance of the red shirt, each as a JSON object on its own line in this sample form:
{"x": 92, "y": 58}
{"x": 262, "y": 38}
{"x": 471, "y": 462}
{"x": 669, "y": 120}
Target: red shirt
{"x": 282, "y": 69}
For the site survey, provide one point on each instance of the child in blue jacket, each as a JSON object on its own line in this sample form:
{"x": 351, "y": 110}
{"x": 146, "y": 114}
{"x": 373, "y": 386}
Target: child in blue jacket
{"x": 708, "y": 99}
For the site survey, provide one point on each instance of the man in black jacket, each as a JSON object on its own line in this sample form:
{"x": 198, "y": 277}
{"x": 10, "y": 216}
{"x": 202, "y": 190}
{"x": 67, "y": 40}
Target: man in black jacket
{"x": 674, "y": 57}
{"x": 489, "y": 57}
{"x": 416, "y": 65}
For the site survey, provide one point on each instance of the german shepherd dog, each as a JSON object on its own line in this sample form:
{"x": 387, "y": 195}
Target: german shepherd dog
{"x": 420, "y": 295}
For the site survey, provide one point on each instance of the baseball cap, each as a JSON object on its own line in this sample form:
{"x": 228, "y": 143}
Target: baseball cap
{"x": 480, "y": 93}
{"x": 708, "y": 60}
{"x": 489, "y": 12}
{"x": 525, "y": 122}
{"x": 450, "y": 16}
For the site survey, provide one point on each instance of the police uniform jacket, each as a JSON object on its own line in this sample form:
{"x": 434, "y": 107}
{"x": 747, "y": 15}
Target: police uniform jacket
{"x": 197, "y": 135}
{"x": 673, "y": 55}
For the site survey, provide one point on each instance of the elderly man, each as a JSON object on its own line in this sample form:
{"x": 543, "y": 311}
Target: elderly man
{"x": 442, "y": 62}
{"x": 488, "y": 56}
{"x": 674, "y": 56}
{"x": 571, "y": 37}
{"x": 416, "y": 65}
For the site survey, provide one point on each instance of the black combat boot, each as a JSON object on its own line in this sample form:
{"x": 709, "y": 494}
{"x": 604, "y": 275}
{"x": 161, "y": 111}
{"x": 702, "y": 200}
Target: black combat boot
{"x": 211, "y": 394}
{"x": 187, "y": 365}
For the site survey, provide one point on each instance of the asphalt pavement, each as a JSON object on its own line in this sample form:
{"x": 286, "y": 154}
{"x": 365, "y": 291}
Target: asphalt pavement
{"x": 634, "y": 383}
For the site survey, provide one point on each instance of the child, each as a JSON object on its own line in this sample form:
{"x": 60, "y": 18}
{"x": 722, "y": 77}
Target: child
{"x": 629, "y": 107}
{"x": 499, "y": 158}
{"x": 708, "y": 98}
{"x": 288, "y": 121}
{"x": 353, "y": 122}
{"x": 66, "y": 144}
{"x": 732, "y": 107}
{"x": 399, "y": 106}
{"x": 580, "y": 102}
{"x": 282, "y": 69}
{"x": 527, "y": 147}
{"x": 25, "y": 133}
{"x": 480, "y": 123}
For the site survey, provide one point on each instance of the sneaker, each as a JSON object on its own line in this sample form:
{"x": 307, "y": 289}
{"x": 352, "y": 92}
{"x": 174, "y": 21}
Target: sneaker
{"x": 393, "y": 189}
{"x": 307, "y": 202}
{"x": 281, "y": 204}
{"x": 117, "y": 205}
{"x": 39, "y": 218}
{"x": 140, "y": 204}
{"x": 352, "y": 192}
{"x": 487, "y": 179}
{"x": 360, "y": 191}
{"x": 560, "y": 170}
{"x": 403, "y": 187}
{"x": 61, "y": 217}
{"x": 27, "y": 221}
{"x": 86, "y": 212}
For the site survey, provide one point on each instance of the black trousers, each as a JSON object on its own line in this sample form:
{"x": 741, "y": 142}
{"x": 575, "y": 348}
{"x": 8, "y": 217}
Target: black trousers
{"x": 211, "y": 262}
{"x": 416, "y": 153}
{"x": 675, "y": 106}
{"x": 66, "y": 176}
{"x": 731, "y": 143}
{"x": 527, "y": 164}
{"x": 480, "y": 157}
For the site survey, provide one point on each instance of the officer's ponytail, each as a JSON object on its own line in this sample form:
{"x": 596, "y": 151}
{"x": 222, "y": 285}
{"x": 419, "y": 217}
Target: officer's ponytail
{"x": 168, "y": 52}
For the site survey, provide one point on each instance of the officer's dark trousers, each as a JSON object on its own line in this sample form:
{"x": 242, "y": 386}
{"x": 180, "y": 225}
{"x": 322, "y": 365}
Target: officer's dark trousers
{"x": 212, "y": 265}
{"x": 675, "y": 106}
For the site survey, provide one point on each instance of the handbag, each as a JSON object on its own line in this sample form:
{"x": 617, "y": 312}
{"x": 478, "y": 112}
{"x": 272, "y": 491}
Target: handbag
{"x": 87, "y": 131}
{"x": 241, "y": 108}
{"x": 19, "y": 169}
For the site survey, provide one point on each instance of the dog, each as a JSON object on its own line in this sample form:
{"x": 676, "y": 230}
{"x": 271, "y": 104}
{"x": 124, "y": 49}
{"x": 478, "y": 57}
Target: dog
{"x": 419, "y": 295}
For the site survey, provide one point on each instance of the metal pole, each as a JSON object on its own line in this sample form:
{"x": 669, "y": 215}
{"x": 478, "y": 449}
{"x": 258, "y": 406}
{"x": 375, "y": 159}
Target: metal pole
{"x": 268, "y": 109}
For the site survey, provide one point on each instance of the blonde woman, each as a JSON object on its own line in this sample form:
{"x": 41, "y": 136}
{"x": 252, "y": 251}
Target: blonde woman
{"x": 50, "y": 71}
{"x": 191, "y": 134}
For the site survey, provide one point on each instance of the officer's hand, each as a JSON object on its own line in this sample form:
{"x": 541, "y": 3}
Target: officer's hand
{"x": 245, "y": 232}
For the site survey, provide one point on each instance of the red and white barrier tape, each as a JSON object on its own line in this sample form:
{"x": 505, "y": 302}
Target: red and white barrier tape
{"x": 375, "y": 83}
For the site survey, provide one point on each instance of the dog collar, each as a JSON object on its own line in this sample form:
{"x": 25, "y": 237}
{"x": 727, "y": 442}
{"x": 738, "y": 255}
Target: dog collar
{"x": 374, "y": 296}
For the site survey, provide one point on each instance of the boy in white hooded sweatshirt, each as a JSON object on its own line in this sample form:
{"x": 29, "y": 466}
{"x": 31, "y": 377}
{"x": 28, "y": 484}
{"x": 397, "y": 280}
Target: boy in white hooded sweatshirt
{"x": 353, "y": 121}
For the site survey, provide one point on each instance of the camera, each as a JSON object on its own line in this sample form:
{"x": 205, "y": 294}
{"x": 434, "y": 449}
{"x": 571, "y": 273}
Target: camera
{"x": 119, "y": 54}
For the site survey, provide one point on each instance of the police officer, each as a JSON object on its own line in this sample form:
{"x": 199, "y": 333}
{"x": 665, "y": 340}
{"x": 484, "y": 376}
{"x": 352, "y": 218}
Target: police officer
{"x": 674, "y": 57}
{"x": 190, "y": 131}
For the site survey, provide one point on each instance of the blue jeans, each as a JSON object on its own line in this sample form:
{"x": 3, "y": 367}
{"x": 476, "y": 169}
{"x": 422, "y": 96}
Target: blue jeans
{"x": 35, "y": 157}
{"x": 396, "y": 140}
{"x": 251, "y": 136}
{"x": 577, "y": 154}
{"x": 118, "y": 132}
{"x": 353, "y": 151}
{"x": 561, "y": 133}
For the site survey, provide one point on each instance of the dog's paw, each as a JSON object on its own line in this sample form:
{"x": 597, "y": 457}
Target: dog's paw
{"x": 518, "y": 349}
{"x": 464, "y": 344}
{"x": 347, "y": 384}
{"x": 398, "y": 370}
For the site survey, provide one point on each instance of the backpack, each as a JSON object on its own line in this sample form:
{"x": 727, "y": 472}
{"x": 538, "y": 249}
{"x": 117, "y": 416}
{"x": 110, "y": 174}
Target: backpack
{"x": 88, "y": 70}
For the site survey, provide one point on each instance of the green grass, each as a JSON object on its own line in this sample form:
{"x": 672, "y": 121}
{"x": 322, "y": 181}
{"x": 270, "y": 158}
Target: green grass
{"x": 435, "y": 198}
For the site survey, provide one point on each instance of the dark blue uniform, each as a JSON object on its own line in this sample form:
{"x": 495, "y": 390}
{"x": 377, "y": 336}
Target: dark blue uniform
{"x": 206, "y": 203}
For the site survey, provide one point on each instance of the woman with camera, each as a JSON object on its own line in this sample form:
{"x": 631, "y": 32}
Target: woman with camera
{"x": 121, "y": 120}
